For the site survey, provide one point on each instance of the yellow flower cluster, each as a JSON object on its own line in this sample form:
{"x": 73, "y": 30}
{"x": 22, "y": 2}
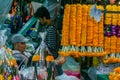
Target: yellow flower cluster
{"x": 65, "y": 28}
{"x": 49, "y": 58}
{"x": 36, "y": 57}
{"x": 78, "y": 25}
{"x": 12, "y": 62}
{"x": 115, "y": 75}
{"x": 112, "y": 47}
{"x": 79, "y": 30}
{"x": 1, "y": 77}
{"x": 112, "y": 18}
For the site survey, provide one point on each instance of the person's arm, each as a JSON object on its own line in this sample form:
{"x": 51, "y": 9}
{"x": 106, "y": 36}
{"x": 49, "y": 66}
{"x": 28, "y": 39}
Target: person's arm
{"x": 31, "y": 10}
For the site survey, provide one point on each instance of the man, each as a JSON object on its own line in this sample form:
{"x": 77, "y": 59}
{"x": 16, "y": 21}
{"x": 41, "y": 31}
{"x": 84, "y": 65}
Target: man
{"x": 19, "y": 45}
{"x": 51, "y": 38}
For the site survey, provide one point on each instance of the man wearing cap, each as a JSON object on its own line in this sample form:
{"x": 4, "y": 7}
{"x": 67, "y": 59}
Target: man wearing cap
{"x": 19, "y": 46}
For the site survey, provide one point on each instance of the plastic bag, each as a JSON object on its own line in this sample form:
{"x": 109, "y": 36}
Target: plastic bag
{"x": 96, "y": 13}
{"x": 71, "y": 67}
{"x": 65, "y": 77}
{"x": 92, "y": 73}
{"x": 71, "y": 64}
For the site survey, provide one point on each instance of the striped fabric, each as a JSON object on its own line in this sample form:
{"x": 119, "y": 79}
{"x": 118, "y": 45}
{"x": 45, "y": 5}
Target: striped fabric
{"x": 51, "y": 40}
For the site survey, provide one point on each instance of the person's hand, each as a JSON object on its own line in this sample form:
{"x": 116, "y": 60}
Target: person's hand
{"x": 61, "y": 60}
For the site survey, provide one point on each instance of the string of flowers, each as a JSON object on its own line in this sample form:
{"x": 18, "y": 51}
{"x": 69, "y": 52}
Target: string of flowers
{"x": 118, "y": 45}
{"x": 114, "y": 16}
{"x": 65, "y": 27}
{"x": 89, "y": 29}
{"x": 118, "y": 16}
{"x": 84, "y": 28}
{"x": 65, "y": 32}
{"x": 72, "y": 25}
{"x": 78, "y": 25}
{"x": 108, "y": 16}
{"x": 113, "y": 44}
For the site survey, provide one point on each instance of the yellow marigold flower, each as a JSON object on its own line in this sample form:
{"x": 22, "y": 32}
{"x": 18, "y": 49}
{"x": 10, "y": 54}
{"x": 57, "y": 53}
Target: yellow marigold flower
{"x": 36, "y": 57}
{"x": 50, "y": 58}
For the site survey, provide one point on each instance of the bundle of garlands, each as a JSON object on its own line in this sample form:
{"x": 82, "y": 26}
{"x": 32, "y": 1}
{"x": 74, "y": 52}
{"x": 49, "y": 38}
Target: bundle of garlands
{"x": 43, "y": 60}
{"x": 8, "y": 65}
{"x": 81, "y": 35}
{"x": 47, "y": 75}
{"x": 115, "y": 74}
{"x": 112, "y": 35}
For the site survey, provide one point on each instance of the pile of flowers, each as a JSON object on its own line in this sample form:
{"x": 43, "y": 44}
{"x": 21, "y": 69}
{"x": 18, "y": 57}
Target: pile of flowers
{"x": 115, "y": 75}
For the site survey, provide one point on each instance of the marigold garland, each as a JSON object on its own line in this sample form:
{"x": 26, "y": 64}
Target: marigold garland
{"x": 118, "y": 16}
{"x": 107, "y": 44}
{"x": 72, "y": 24}
{"x": 36, "y": 57}
{"x": 50, "y": 58}
{"x": 113, "y": 44}
{"x": 89, "y": 28}
{"x": 1, "y": 77}
{"x": 115, "y": 74}
{"x": 78, "y": 25}
{"x": 81, "y": 33}
{"x": 12, "y": 62}
{"x": 65, "y": 27}
{"x": 118, "y": 45}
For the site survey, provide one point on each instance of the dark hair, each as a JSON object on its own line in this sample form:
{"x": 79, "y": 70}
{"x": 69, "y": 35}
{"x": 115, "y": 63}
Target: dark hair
{"x": 42, "y": 12}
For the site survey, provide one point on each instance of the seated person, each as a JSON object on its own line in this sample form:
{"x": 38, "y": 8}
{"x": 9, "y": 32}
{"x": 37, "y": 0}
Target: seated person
{"x": 19, "y": 46}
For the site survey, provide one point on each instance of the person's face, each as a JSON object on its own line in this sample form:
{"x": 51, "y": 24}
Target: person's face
{"x": 15, "y": 3}
{"x": 43, "y": 21}
{"x": 21, "y": 46}
{"x": 112, "y": 1}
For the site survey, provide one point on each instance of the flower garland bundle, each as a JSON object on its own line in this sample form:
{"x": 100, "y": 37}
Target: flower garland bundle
{"x": 65, "y": 30}
{"x": 115, "y": 74}
{"x": 80, "y": 36}
{"x": 73, "y": 24}
{"x": 114, "y": 16}
{"x": 78, "y": 25}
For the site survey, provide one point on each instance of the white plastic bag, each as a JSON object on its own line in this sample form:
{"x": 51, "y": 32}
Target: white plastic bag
{"x": 71, "y": 64}
{"x": 65, "y": 77}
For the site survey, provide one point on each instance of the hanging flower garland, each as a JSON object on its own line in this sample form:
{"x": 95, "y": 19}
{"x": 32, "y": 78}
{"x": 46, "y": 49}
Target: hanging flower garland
{"x": 36, "y": 58}
{"x": 89, "y": 28}
{"x": 65, "y": 30}
{"x": 78, "y": 25}
{"x": 82, "y": 33}
{"x": 114, "y": 16}
{"x": 118, "y": 16}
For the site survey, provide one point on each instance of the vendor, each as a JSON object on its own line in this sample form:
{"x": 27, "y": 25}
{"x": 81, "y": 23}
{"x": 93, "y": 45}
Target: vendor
{"x": 19, "y": 45}
{"x": 51, "y": 39}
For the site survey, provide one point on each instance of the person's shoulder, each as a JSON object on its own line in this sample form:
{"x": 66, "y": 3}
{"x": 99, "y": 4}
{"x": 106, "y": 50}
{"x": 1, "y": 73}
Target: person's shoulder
{"x": 16, "y": 52}
{"x": 52, "y": 27}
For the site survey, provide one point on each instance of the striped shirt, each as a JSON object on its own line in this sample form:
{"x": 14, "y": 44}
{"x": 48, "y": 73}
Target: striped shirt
{"x": 51, "y": 40}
